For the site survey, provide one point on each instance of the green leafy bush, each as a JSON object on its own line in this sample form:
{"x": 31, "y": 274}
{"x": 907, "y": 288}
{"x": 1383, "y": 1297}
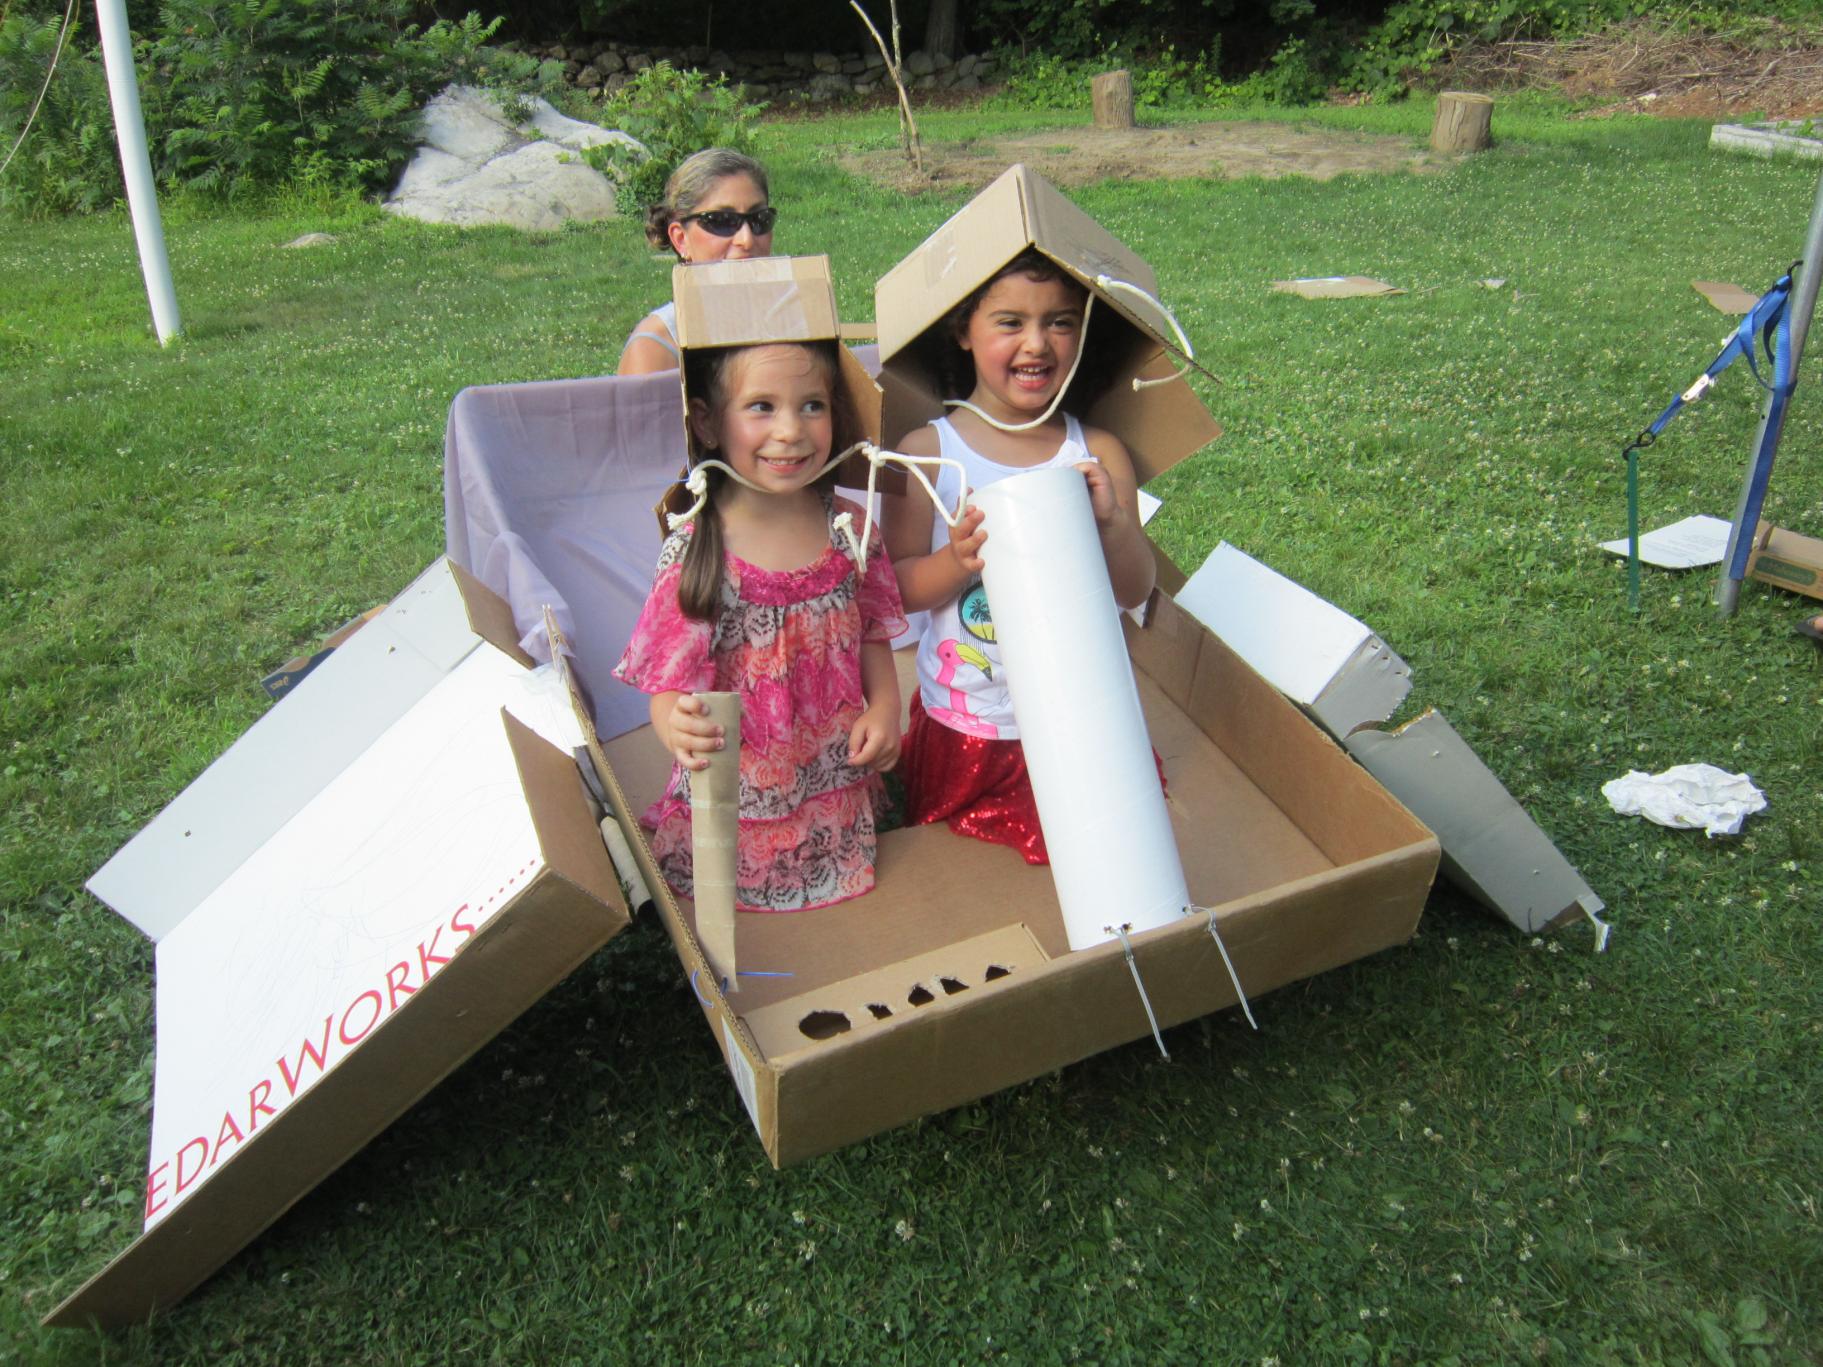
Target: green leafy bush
{"x": 244, "y": 96}
{"x": 67, "y": 161}
{"x": 674, "y": 113}
{"x": 1161, "y": 81}
{"x": 261, "y": 92}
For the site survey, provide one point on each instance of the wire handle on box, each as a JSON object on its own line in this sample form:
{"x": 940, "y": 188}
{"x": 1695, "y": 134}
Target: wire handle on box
{"x": 1126, "y": 946}
{"x": 1108, "y": 282}
{"x": 697, "y": 482}
{"x": 1233, "y": 977}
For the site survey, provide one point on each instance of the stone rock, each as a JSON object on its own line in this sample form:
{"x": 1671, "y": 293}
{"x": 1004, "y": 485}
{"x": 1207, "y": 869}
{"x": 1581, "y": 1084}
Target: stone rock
{"x": 826, "y": 62}
{"x": 476, "y": 167}
{"x": 638, "y": 61}
{"x": 919, "y": 63}
{"x": 873, "y": 59}
{"x": 589, "y": 75}
{"x": 825, "y": 86}
{"x": 941, "y": 61}
{"x": 609, "y": 61}
{"x": 968, "y": 82}
{"x": 312, "y": 240}
{"x": 924, "y": 83}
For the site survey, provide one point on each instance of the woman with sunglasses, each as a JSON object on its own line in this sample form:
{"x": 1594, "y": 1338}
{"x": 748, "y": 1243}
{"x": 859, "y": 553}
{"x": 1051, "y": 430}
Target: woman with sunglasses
{"x": 715, "y": 206}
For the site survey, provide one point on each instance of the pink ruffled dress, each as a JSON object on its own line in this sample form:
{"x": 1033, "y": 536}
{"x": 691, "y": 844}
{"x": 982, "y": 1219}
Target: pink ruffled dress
{"x": 789, "y": 642}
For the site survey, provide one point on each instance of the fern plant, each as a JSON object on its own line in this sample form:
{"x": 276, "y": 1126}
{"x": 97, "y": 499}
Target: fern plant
{"x": 65, "y": 161}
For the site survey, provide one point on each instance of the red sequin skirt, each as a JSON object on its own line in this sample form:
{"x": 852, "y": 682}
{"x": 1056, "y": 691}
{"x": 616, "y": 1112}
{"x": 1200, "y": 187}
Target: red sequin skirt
{"x": 979, "y": 786}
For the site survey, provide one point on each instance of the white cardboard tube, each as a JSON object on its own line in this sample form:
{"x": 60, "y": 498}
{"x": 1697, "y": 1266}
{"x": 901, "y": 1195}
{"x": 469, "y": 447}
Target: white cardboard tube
{"x": 1105, "y": 824}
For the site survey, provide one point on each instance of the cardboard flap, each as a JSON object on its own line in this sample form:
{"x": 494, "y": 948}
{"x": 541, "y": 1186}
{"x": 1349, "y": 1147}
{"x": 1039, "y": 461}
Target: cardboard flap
{"x": 1161, "y": 424}
{"x": 901, "y": 991}
{"x": 1491, "y": 848}
{"x": 1018, "y": 210}
{"x": 292, "y": 752}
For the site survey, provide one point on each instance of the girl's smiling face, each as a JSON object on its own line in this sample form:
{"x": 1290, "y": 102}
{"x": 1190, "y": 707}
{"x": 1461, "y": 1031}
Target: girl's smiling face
{"x": 1023, "y": 337}
{"x": 693, "y": 242}
{"x": 777, "y": 424}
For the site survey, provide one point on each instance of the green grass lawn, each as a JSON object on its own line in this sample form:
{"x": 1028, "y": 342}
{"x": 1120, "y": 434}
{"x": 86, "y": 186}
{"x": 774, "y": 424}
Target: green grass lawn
{"x": 1478, "y": 1148}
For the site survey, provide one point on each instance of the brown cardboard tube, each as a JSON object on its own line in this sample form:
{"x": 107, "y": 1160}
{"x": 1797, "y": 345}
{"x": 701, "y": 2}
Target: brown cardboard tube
{"x": 715, "y": 822}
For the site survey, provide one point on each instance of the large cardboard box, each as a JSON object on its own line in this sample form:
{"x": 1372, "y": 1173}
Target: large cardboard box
{"x": 383, "y": 872}
{"x": 1127, "y": 335}
{"x": 953, "y": 978}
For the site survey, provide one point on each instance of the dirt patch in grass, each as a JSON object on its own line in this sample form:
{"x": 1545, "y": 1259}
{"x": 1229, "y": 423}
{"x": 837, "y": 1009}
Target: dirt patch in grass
{"x": 1082, "y": 156}
{"x": 1764, "y": 68}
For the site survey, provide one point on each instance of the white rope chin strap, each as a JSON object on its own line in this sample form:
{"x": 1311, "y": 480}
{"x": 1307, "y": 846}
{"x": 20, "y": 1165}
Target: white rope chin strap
{"x": 1110, "y": 284}
{"x": 697, "y": 482}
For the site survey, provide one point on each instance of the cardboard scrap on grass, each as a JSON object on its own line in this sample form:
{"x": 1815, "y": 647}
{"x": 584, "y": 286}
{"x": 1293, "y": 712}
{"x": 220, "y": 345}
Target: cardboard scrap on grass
{"x": 1335, "y": 287}
{"x": 1349, "y": 680}
{"x": 1726, "y": 298}
{"x": 391, "y": 865}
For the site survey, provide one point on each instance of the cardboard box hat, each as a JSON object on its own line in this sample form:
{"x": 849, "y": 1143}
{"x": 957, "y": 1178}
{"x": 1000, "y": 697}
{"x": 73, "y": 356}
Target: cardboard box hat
{"x": 1127, "y": 331}
{"x": 752, "y": 302}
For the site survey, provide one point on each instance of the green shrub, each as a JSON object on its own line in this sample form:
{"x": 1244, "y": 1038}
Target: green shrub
{"x": 67, "y": 161}
{"x": 255, "y": 93}
{"x": 674, "y": 113}
{"x": 1160, "y": 81}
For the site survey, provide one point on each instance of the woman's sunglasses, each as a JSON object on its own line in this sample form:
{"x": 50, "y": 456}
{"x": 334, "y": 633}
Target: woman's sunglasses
{"x": 727, "y": 222}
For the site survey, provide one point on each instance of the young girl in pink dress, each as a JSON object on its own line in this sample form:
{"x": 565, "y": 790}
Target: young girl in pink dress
{"x": 758, "y": 595}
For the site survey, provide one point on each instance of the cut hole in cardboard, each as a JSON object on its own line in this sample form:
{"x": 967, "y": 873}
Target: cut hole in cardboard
{"x": 881, "y": 1010}
{"x": 995, "y": 971}
{"x": 951, "y": 986}
{"x": 824, "y": 1024}
{"x": 920, "y": 996}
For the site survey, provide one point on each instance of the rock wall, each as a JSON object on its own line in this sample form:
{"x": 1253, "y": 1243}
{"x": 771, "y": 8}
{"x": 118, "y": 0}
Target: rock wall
{"x": 601, "y": 68}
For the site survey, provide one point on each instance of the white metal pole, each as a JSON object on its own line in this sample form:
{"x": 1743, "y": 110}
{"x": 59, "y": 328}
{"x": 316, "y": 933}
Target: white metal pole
{"x": 136, "y": 166}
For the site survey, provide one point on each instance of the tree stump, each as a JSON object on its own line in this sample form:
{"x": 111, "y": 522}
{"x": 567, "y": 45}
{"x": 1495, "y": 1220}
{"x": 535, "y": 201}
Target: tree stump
{"x": 1113, "y": 95}
{"x": 1462, "y": 121}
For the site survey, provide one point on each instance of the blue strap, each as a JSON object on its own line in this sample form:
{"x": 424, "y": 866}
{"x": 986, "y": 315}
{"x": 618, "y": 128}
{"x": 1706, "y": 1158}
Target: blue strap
{"x": 1767, "y": 317}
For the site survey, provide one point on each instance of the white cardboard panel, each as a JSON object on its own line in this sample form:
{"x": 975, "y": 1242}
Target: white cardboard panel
{"x": 1491, "y": 848}
{"x": 1306, "y": 647}
{"x": 287, "y": 756}
{"x": 334, "y": 922}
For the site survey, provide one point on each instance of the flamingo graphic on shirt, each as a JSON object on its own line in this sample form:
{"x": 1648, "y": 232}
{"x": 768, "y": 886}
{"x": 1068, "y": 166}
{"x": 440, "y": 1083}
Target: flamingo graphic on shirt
{"x": 955, "y": 654}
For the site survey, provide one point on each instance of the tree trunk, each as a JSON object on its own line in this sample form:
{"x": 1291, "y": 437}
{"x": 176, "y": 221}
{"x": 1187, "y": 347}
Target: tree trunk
{"x": 1462, "y": 122}
{"x": 1112, "y": 93}
{"x": 943, "y": 29}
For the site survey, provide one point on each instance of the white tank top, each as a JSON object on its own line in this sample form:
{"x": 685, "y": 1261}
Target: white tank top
{"x": 960, "y": 675}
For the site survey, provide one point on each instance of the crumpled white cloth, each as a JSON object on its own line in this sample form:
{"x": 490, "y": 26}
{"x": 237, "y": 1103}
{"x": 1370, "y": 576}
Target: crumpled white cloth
{"x": 1687, "y": 796}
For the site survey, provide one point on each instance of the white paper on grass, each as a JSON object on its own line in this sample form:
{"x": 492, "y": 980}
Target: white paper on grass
{"x": 1105, "y": 823}
{"x": 1687, "y": 797}
{"x": 333, "y": 923}
{"x": 1684, "y": 545}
